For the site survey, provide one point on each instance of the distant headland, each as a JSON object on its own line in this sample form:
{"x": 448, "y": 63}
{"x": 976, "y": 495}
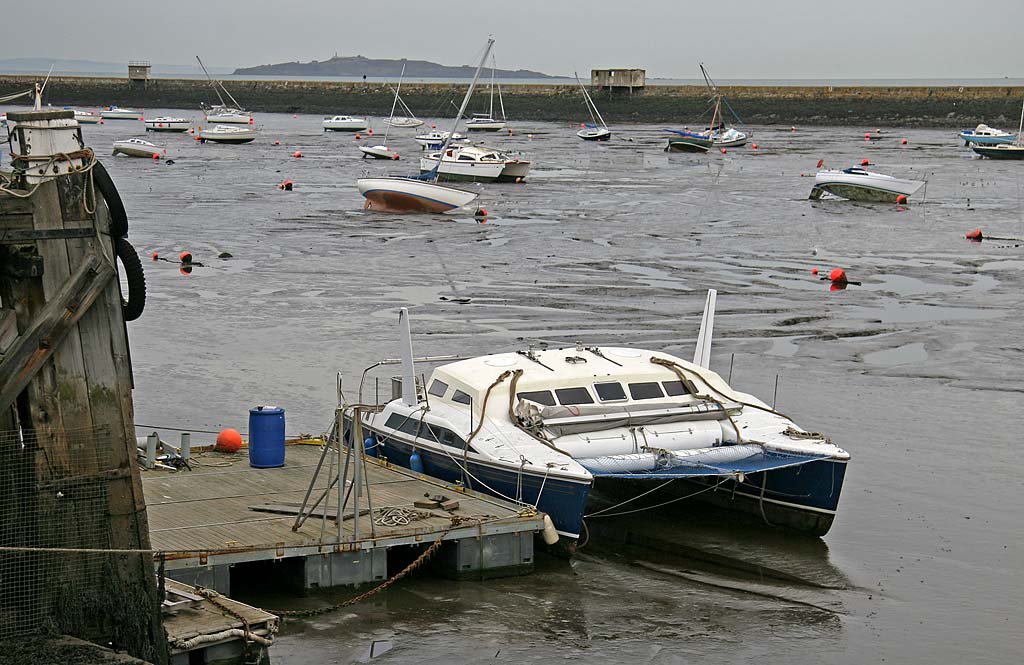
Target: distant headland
{"x": 370, "y": 67}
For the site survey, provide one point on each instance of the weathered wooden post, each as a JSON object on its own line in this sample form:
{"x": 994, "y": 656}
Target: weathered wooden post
{"x": 67, "y": 438}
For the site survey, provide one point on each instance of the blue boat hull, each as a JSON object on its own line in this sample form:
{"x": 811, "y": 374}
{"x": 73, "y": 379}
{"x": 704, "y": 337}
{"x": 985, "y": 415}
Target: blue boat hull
{"x": 968, "y": 137}
{"x": 564, "y": 502}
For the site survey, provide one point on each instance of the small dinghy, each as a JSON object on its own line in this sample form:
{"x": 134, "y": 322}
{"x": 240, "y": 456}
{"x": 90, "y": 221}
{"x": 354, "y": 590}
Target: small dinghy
{"x": 166, "y": 124}
{"x": 344, "y": 123}
{"x": 856, "y": 184}
{"x": 137, "y": 148}
{"x": 728, "y": 137}
{"x": 117, "y": 113}
{"x": 227, "y": 134}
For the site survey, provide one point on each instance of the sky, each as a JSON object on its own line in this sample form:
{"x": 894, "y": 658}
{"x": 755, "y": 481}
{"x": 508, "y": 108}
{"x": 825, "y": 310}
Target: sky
{"x": 737, "y": 39}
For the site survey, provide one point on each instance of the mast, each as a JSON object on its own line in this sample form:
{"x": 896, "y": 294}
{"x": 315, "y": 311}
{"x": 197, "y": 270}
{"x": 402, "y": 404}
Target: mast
{"x": 465, "y": 103}
{"x": 1020, "y": 129}
{"x": 213, "y": 84}
{"x": 490, "y": 112}
{"x": 393, "y": 104}
{"x": 591, "y": 106}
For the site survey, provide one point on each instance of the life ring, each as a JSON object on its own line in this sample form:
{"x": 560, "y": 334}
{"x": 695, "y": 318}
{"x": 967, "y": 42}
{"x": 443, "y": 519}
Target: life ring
{"x": 105, "y": 185}
{"x": 136, "y": 302}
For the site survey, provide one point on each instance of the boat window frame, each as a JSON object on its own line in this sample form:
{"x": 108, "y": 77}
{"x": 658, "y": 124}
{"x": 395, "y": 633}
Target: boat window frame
{"x": 435, "y": 382}
{"x": 597, "y": 391}
{"x": 682, "y": 385}
{"x": 525, "y": 395}
{"x": 586, "y": 392}
{"x": 656, "y": 384}
{"x": 455, "y": 397}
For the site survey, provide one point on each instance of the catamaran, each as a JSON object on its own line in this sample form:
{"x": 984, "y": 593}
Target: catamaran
{"x": 224, "y": 113}
{"x": 592, "y": 132}
{"x": 421, "y": 193}
{"x": 545, "y": 427}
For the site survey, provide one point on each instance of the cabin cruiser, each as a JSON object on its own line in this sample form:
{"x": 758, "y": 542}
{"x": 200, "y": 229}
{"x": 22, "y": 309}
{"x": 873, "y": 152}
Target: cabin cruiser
{"x": 137, "y": 148}
{"x": 227, "y": 134}
{"x": 344, "y": 123}
{"x": 985, "y": 135}
{"x": 476, "y": 164}
{"x": 168, "y": 124}
{"x": 728, "y": 137}
{"x": 545, "y": 427}
{"x": 117, "y": 113}
{"x": 856, "y": 184}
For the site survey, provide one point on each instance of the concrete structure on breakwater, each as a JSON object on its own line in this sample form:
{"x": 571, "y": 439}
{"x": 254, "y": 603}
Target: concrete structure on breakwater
{"x": 797, "y": 105}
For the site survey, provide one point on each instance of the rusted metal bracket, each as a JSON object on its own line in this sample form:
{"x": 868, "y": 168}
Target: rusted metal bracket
{"x": 15, "y": 237}
{"x": 38, "y": 342}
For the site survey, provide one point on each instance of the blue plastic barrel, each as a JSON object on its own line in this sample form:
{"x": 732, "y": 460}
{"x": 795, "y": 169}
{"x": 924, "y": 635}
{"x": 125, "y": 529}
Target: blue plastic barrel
{"x": 266, "y": 437}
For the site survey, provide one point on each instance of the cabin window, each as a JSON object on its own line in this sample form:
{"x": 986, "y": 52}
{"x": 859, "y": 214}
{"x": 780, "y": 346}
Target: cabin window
{"x": 570, "y": 396}
{"x": 410, "y": 425}
{"x": 610, "y": 392}
{"x": 438, "y": 388}
{"x": 675, "y": 388}
{"x": 539, "y": 396}
{"x": 446, "y": 437}
{"x": 461, "y": 397}
{"x": 645, "y": 390}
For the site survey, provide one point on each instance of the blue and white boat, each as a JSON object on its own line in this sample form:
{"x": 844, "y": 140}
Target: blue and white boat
{"x": 985, "y": 135}
{"x": 544, "y": 427}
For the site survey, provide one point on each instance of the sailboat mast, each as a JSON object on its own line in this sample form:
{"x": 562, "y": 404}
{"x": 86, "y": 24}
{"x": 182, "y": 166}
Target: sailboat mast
{"x": 490, "y": 113}
{"x": 465, "y": 102}
{"x": 393, "y": 104}
{"x": 586, "y": 98}
{"x": 213, "y": 84}
{"x": 1020, "y": 129}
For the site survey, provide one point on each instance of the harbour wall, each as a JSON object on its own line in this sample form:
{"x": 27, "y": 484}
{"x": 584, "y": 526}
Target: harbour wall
{"x": 759, "y": 105}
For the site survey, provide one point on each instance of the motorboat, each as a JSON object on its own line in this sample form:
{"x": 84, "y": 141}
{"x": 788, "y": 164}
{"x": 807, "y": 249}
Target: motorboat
{"x": 985, "y": 135}
{"x": 227, "y": 134}
{"x": 87, "y": 117}
{"x": 378, "y": 152}
{"x": 475, "y": 164}
{"x": 728, "y": 137}
{"x": 435, "y": 139}
{"x": 117, "y": 113}
{"x": 137, "y": 148}
{"x": 228, "y": 111}
{"x": 168, "y": 124}
{"x": 598, "y": 129}
{"x": 857, "y": 184}
{"x": 421, "y": 193}
{"x": 398, "y": 194}
{"x": 543, "y": 427}
{"x": 344, "y": 123}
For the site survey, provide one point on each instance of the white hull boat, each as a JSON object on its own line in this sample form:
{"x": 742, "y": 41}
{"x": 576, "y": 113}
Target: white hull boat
{"x": 378, "y": 152}
{"x": 483, "y": 123}
{"x": 228, "y": 117}
{"x": 592, "y": 133}
{"x": 137, "y": 148}
{"x": 405, "y": 122}
{"x": 87, "y": 117}
{"x": 115, "y": 113}
{"x": 544, "y": 427}
{"x": 985, "y": 135}
{"x": 598, "y": 129}
{"x": 468, "y": 164}
{"x": 165, "y": 124}
{"x": 434, "y": 140}
{"x": 227, "y": 134}
{"x": 856, "y": 184}
{"x": 344, "y": 123}
{"x": 728, "y": 138}
{"x": 411, "y": 195}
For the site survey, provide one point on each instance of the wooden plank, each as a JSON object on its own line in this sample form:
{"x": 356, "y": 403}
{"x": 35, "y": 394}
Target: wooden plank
{"x": 8, "y": 329}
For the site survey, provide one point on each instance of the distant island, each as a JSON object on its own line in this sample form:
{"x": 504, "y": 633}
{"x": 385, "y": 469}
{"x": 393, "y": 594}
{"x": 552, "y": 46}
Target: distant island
{"x": 360, "y": 66}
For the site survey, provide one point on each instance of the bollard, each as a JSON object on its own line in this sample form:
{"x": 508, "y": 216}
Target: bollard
{"x": 151, "y": 443}
{"x": 186, "y": 446}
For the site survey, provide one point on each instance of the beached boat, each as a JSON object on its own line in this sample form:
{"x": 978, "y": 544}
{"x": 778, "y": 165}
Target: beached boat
{"x": 227, "y": 134}
{"x": 474, "y": 164}
{"x": 856, "y": 184}
{"x": 598, "y": 129}
{"x": 224, "y": 113}
{"x": 486, "y": 122}
{"x": 117, "y": 113}
{"x": 433, "y": 140}
{"x": 542, "y": 427}
{"x": 716, "y": 134}
{"x": 168, "y": 124}
{"x": 382, "y": 151}
{"x": 409, "y": 119}
{"x": 728, "y": 137}
{"x": 344, "y": 123}
{"x": 1013, "y": 150}
{"x": 87, "y": 117}
{"x": 421, "y": 193}
{"x": 985, "y": 135}
{"x": 137, "y": 148}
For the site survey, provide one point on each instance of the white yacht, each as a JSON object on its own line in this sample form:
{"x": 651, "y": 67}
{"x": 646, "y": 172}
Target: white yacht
{"x": 117, "y": 113}
{"x": 227, "y": 134}
{"x": 344, "y": 123}
{"x": 168, "y": 124}
{"x": 476, "y": 164}
{"x": 137, "y": 148}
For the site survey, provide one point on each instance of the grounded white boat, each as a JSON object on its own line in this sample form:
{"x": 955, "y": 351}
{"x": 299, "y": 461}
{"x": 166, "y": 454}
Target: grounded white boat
{"x": 87, "y": 117}
{"x": 137, "y": 148}
{"x": 467, "y": 164}
{"x": 168, "y": 124}
{"x": 985, "y": 135}
{"x": 397, "y": 194}
{"x": 409, "y": 119}
{"x": 224, "y": 113}
{"x": 421, "y": 193}
{"x": 344, "y": 123}
{"x": 598, "y": 129}
{"x": 227, "y": 134}
{"x": 1013, "y": 150}
{"x": 404, "y": 121}
{"x": 485, "y": 122}
{"x": 378, "y": 152}
{"x": 542, "y": 427}
{"x": 728, "y": 137}
{"x": 856, "y": 184}
{"x": 117, "y": 113}
{"x": 435, "y": 139}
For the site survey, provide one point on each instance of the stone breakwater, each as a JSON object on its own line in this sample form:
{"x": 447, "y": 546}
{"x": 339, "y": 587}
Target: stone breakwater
{"x": 678, "y": 105}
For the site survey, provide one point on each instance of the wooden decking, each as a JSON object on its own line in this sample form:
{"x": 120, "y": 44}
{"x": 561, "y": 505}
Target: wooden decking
{"x": 203, "y": 517}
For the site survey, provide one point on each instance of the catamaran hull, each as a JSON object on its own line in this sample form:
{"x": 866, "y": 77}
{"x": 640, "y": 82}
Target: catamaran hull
{"x": 514, "y": 172}
{"x": 563, "y": 501}
{"x": 803, "y": 498}
{"x": 1000, "y": 152}
{"x": 404, "y": 195}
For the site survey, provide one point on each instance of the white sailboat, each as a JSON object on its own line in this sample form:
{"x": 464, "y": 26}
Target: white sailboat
{"x": 1013, "y": 150}
{"x": 487, "y": 123}
{"x": 592, "y": 132}
{"x": 224, "y": 113}
{"x": 382, "y": 151}
{"x": 137, "y": 148}
{"x": 421, "y": 193}
{"x": 409, "y": 119}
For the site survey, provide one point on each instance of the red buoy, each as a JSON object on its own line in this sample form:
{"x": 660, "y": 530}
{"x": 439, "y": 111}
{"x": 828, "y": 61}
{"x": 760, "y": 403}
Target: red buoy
{"x": 198, "y": 139}
{"x": 754, "y": 146}
{"x": 358, "y": 136}
{"x": 433, "y": 126}
{"x": 369, "y": 132}
{"x": 296, "y": 154}
{"x": 103, "y": 122}
{"x": 185, "y": 257}
{"x": 814, "y": 271}
{"x": 821, "y": 162}
{"x": 901, "y": 199}
{"x": 481, "y": 212}
{"x": 156, "y": 155}
{"x": 867, "y": 135}
{"x": 723, "y": 150}
{"x": 155, "y": 256}
{"x": 394, "y": 156}
{"x": 837, "y": 275}
{"x": 229, "y": 441}
{"x": 277, "y": 143}
{"x": 903, "y": 141}
{"x": 975, "y": 235}
{"x": 142, "y": 118}
{"x": 864, "y": 162}
{"x": 286, "y": 185}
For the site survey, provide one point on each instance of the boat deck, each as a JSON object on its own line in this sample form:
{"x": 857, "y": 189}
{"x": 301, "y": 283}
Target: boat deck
{"x": 203, "y": 517}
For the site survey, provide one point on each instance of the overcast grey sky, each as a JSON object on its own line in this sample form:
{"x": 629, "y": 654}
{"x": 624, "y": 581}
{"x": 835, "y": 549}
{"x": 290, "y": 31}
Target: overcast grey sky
{"x": 737, "y": 38}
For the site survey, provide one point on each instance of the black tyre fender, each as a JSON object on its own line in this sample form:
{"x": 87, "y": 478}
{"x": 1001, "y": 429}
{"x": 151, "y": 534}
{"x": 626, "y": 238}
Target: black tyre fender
{"x": 105, "y": 185}
{"x": 136, "y": 302}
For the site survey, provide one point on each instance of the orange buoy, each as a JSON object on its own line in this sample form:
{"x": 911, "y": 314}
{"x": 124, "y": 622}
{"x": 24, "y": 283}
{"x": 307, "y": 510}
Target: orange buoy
{"x": 723, "y": 150}
{"x": 903, "y": 141}
{"x": 369, "y": 132}
{"x": 358, "y": 136}
{"x": 296, "y": 154}
{"x": 286, "y": 185}
{"x": 229, "y": 441}
{"x": 185, "y": 257}
{"x": 582, "y": 125}
{"x": 197, "y": 138}
{"x": 754, "y": 147}
{"x": 837, "y": 275}
{"x": 821, "y": 162}
{"x": 519, "y": 179}
{"x": 901, "y": 199}
{"x": 277, "y": 143}
{"x": 433, "y": 126}
{"x": 394, "y": 156}
{"x": 976, "y": 234}
{"x": 156, "y": 155}
{"x": 864, "y": 162}
{"x": 142, "y": 118}
{"x": 867, "y": 135}
{"x": 814, "y": 271}
{"x": 481, "y": 212}
{"x": 155, "y": 256}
